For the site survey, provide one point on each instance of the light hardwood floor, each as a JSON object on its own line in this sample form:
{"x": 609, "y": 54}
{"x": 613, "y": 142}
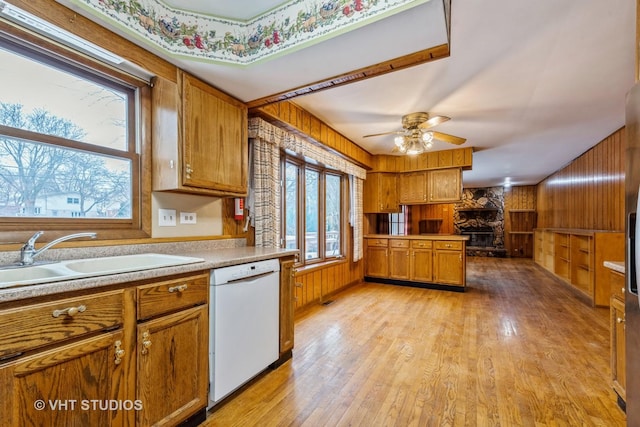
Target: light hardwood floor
{"x": 518, "y": 348}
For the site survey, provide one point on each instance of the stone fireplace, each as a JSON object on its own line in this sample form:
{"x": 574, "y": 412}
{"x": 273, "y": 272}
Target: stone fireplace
{"x": 480, "y": 215}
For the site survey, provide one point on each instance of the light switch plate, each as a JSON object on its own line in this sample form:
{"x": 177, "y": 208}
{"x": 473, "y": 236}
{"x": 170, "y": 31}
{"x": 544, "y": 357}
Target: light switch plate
{"x": 188, "y": 218}
{"x": 166, "y": 217}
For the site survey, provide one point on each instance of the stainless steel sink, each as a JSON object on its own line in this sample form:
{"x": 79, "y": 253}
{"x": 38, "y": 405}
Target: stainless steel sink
{"x": 88, "y": 267}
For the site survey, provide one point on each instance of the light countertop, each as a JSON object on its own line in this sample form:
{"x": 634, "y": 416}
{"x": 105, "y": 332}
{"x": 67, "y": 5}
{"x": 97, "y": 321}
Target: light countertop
{"x": 615, "y": 266}
{"x": 213, "y": 258}
{"x": 419, "y": 236}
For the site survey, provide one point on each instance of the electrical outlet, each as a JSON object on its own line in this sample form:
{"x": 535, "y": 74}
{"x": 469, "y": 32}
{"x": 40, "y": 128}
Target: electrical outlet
{"x": 166, "y": 217}
{"x": 188, "y": 218}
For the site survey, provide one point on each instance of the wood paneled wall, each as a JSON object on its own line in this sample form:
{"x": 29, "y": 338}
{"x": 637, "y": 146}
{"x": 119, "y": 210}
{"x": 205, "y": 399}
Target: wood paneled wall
{"x": 288, "y": 115}
{"x": 589, "y": 192}
{"x": 317, "y": 285}
{"x": 457, "y": 157}
{"x": 443, "y": 211}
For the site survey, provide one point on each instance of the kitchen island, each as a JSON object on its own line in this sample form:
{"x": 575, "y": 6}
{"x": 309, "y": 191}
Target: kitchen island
{"x": 427, "y": 260}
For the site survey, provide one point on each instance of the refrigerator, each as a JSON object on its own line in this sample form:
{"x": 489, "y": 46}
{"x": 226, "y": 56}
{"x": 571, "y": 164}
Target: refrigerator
{"x": 632, "y": 248}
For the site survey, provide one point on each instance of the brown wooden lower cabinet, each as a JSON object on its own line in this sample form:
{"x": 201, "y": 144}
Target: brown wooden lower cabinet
{"x": 133, "y": 356}
{"x": 287, "y": 306}
{"x": 416, "y": 260}
{"x": 172, "y": 378}
{"x": 577, "y": 257}
{"x": 617, "y": 326}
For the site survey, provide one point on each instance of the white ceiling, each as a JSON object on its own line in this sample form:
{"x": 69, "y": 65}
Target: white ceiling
{"x": 530, "y": 85}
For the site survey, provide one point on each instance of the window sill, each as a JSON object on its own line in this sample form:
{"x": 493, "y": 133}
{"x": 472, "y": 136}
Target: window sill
{"x": 320, "y": 265}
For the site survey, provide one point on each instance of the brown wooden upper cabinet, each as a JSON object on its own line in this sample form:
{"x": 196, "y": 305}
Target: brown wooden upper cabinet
{"x": 380, "y": 193}
{"x": 413, "y": 188}
{"x": 445, "y": 185}
{"x": 199, "y": 137}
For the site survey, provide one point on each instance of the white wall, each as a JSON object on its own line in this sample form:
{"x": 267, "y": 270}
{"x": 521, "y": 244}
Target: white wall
{"x": 208, "y": 211}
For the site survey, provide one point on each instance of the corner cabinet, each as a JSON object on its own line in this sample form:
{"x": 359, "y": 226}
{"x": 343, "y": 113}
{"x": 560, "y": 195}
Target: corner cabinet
{"x": 199, "y": 137}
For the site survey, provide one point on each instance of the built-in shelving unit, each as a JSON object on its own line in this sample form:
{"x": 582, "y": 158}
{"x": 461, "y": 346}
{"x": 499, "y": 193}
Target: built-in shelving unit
{"x": 521, "y": 236}
{"x": 577, "y": 257}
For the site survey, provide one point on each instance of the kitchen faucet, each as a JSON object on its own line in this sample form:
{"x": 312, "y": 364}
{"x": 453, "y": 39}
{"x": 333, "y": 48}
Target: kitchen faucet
{"x": 28, "y": 251}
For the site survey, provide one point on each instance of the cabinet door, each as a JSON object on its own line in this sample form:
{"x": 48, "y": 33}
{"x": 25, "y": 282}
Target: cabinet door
{"x": 413, "y": 188}
{"x": 448, "y": 267}
{"x": 399, "y": 263}
{"x": 422, "y": 265}
{"x": 287, "y": 283}
{"x": 380, "y": 193}
{"x": 445, "y": 185}
{"x": 377, "y": 262}
{"x": 388, "y": 192}
{"x": 69, "y": 385}
{"x": 618, "y": 366}
{"x": 172, "y": 356}
{"x": 214, "y": 143}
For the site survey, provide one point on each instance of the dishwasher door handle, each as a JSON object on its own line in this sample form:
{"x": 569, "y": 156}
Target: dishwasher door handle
{"x": 250, "y": 278}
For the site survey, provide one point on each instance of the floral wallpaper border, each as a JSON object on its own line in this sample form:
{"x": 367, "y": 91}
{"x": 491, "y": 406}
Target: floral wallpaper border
{"x": 296, "y": 24}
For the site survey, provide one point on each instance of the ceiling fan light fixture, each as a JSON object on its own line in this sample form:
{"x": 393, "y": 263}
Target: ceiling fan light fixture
{"x": 399, "y": 140}
{"x": 427, "y": 137}
{"x": 415, "y": 147}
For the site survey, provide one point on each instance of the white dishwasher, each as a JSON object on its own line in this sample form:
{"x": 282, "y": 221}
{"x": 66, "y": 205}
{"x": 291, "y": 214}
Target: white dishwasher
{"x": 245, "y": 323}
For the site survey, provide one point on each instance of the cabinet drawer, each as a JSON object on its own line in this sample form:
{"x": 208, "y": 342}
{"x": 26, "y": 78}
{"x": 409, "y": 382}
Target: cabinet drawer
{"x": 172, "y": 295}
{"x": 398, "y": 243}
{"x": 34, "y": 326}
{"x": 422, "y": 244}
{"x": 453, "y": 246}
{"x": 377, "y": 242}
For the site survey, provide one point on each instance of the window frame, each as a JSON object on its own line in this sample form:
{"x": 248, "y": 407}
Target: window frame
{"x": 137, "y": 147}
{"x": 302, "y": 166}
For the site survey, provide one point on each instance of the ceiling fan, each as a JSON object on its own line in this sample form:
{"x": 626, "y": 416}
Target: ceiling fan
{"x": 416, "y": 138}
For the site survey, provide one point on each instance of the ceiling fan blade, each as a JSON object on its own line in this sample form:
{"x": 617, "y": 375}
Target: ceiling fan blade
{"x": 448, "y": 138}
{"x": 435, "y": 120}
{"x": 398, "y": 132}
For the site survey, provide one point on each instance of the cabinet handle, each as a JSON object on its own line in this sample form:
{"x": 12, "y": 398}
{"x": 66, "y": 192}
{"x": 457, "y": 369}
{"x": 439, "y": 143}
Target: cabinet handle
{"x": 620, "y": 319}
{"x": 623, "y": 290}
{"x": 299, "y": 285}
{"x": 69, "y": 311}
{"x": 188, "y": 170}
{"x": 180, "y": 288}
{"x": 119, "y": 352}
{"x": 146, "y": 342}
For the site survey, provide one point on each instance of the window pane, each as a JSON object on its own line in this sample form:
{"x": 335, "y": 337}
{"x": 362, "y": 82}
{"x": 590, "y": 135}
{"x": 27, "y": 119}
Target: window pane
{"x": 332, "y": 219}
{"x": 38, "y": 180}
{"x": 312, "y": 206}
{"x": 40, "y": 98}
{"x": 291, "y": 206}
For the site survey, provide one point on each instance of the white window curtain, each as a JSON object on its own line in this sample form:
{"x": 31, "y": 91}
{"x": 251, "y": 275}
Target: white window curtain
{"x": 263, "y": 202}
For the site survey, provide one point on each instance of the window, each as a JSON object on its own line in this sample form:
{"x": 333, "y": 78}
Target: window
{"x": 313, "y": 202}
{"x": 66, "y": 135}
{"x": 397, "y": 223}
